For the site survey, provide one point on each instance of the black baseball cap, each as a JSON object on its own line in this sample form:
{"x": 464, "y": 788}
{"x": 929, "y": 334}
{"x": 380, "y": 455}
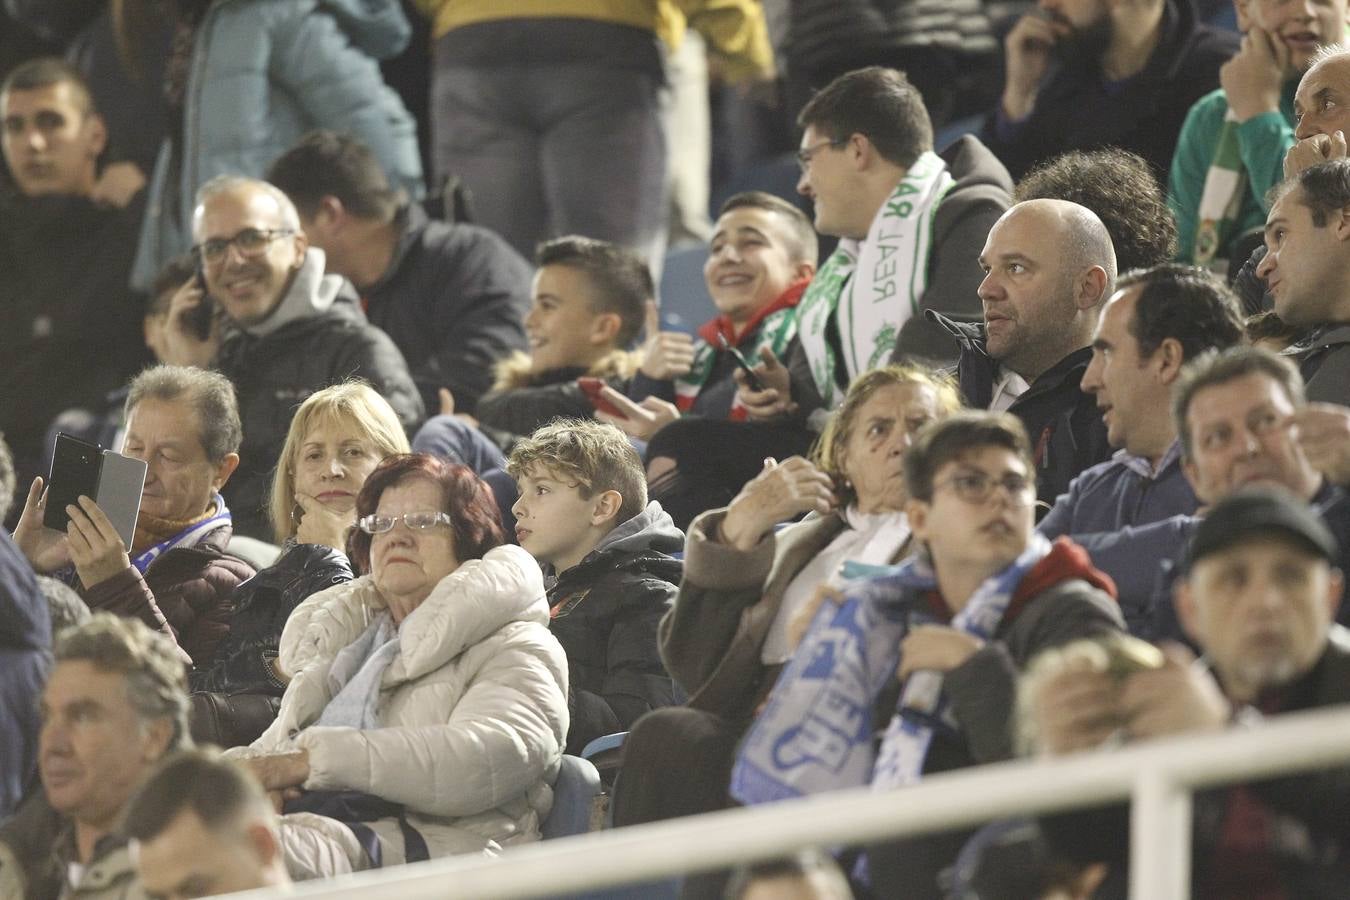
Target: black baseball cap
{"x": 1261, "y": 512}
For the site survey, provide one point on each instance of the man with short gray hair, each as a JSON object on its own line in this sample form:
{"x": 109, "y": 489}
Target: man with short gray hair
{"x": 116, "y": 702}
{"x": 283, "y": 330}
{"x": 183, "y": 423}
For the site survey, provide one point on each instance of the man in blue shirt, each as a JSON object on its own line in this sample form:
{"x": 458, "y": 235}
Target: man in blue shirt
{"x": 1158, "y": 319}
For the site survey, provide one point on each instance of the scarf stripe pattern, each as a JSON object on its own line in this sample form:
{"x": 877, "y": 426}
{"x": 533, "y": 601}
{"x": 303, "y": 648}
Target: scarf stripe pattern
{"x": 774, "y": 328}
{"x": 188, "y": 537}
{"x": 1221, "y": 199}
{"x": 816, "y": 731}
{"x": 873, "y": 288}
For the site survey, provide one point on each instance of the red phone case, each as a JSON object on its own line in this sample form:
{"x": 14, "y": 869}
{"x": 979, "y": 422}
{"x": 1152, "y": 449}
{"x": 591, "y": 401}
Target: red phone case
{"x": 591, "y": 387}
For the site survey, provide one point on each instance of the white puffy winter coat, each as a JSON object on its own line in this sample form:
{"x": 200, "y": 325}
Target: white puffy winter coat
{"x": 473, "y": 710}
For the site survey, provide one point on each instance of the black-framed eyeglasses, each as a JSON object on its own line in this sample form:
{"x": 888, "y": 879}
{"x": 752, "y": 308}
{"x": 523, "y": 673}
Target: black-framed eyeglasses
{"x": 250, "y": 242}
{"x": 415, "y": 521}
{"x": 805, "y": 155}
{"x": 978, "y": 487}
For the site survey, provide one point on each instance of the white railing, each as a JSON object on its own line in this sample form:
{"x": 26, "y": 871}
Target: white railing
{"x": 1159, "y": 776}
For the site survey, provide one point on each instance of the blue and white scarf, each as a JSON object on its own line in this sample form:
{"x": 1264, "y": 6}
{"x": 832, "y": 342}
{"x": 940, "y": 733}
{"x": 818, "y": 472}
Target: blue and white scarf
{"x": 188, "y": 537}
{"x": 815, "y": 733}
{"x": 356, "y": 673}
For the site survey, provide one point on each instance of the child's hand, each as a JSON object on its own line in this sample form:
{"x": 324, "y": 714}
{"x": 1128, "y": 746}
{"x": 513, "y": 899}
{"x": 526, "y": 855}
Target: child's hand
{"x": 665, "y": 354}
{"x": 640, "y": 420}
{"x": 447, "y": 401}
{"x": 775, "y": 401}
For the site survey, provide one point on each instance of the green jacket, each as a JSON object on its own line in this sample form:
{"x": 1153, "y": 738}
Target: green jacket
{"x": 1262, "y": 141}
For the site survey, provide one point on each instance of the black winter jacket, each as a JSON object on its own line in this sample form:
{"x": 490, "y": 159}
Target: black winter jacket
{"x": 982, "y": 692}
{"x": 25, "y": 639}
{"x": 1075, "y": 110}
{"x": 605, "y": 610}
{"x": 1065, "y": 427}
{"x": 521, "y": 401}
{"x": 454, "y": 300}
{"x": 243, "y": 662}
{"x": 64, "y": 304}
{"x": 325, "y": 340}
{"x": 1309, "y": 832}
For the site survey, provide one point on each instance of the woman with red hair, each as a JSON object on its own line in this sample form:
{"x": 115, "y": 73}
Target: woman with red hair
{"x": 427, "y": 708}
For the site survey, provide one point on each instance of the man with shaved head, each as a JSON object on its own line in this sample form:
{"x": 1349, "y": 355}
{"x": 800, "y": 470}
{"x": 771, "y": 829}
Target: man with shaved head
{"x": 1049, "y": 266}
{"x": 293, "y": 329}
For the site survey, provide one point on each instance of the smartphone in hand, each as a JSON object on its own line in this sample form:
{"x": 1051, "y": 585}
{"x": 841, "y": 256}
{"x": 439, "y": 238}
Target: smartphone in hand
{"x": 198, "y": 319}
{"x": 592, "y": 387}
{"x": 751, "y": 377}
{"x": 76, "y": 465}
{"x": 111, "y": 480}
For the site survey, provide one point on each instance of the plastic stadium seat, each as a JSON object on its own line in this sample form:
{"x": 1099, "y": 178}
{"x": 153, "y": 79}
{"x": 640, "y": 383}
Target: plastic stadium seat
{"x": 685, "y": 303}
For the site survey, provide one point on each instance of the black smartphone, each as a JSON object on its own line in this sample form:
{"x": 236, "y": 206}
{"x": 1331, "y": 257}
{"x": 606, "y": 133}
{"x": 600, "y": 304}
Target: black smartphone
{"x": 198, "y": 319}
{"x": 76, "y": 465}
{"x": 750, "y": 377}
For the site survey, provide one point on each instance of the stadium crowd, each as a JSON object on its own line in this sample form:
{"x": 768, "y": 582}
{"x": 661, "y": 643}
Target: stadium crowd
{"x": 1019, "y": 424}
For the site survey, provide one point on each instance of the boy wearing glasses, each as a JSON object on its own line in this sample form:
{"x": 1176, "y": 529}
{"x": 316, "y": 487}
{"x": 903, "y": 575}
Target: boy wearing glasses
{"x": 954, "y": 624}
{"x": 583, "y": 514}
{"x": 285, "y": 329}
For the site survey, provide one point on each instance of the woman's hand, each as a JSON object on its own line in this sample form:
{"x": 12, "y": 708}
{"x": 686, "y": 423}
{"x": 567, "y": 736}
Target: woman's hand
{"x": 95, "y": 546}
{"x": 280, "y": 771}
{"x": 779, "y": 493}
{"x": 321, "y": 525}
{"x": 46, "y": 550}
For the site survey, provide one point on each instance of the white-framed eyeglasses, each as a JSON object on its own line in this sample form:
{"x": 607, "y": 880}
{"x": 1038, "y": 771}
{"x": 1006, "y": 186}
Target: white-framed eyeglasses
{"x": 416, "y": 521}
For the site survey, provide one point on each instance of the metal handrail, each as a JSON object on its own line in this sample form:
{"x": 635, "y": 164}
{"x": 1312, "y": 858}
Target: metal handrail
{"x": 1160, "y": 775}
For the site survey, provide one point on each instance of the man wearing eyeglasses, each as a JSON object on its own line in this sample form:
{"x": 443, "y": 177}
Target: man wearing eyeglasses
{"x": 285, "y": 328}
{"x": 66, "y": 248}
{"x": 911, "y": 223}
{"x": 954, "y": 623}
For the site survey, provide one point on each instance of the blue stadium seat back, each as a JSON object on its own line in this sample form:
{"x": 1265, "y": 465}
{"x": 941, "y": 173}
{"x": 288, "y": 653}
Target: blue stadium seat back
{"x": 948, "y": 134}
{"x": 777, "y": 176}
{"x": 685, "y": 302}
{"x": 604, "y": 744}
{"x": 575, "y": 789}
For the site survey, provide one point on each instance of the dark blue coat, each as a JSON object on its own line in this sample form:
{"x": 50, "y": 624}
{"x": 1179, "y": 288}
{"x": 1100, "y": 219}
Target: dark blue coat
{"x": 25, "y": 645}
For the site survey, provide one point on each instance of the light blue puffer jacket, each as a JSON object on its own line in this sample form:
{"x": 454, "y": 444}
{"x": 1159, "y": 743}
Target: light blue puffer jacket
{"x": 263, "y": 73}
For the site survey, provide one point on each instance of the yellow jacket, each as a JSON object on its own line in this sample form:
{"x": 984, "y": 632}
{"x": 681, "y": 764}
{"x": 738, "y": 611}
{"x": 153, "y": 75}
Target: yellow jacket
{"x": 735, "y": 29}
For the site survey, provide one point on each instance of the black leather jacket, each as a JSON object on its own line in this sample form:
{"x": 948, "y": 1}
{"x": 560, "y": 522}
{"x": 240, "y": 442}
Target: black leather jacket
{"x": 261, "y": 607}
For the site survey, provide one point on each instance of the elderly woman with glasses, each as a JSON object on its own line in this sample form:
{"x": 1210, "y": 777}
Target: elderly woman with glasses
{"x": 427, "y": 710}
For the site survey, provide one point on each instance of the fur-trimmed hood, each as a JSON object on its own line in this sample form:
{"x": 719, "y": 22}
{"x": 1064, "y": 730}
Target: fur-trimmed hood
{"x": 513, "y": 372}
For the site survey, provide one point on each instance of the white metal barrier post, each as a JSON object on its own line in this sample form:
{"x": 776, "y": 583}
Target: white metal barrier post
{"x": 1160, "y": 838}
{"x": 1160, "y": 775}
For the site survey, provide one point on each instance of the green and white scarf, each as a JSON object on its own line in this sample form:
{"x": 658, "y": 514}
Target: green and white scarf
{"x": 873, "y": 288}
{"x": 772, "y": 327}
{"x": 1221, "y": 200}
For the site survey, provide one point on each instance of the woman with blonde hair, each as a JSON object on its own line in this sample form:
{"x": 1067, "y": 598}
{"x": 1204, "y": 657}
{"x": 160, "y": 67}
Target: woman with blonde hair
{"x": 337, "y": 438}
{"x": 745, "y": 582}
